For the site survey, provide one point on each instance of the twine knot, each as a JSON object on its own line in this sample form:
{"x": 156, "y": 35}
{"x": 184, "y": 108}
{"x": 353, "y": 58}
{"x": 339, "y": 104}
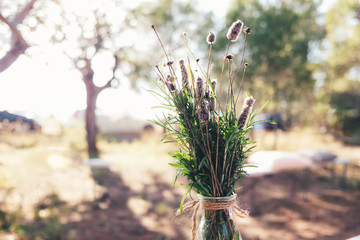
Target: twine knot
{"x": 206, "y": 205}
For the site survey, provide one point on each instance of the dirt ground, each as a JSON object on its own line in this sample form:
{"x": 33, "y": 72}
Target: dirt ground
{"x": 47, "y": 193}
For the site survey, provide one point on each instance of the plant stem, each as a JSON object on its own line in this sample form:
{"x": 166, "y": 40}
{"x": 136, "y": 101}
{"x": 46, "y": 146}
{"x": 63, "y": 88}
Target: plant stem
{"x": 157, "y": 35}
{"x": 208, "y": 67}
{"x": 242, "y": 57}
{"x": 242, "y": 79}
{"x": 213, "y": 175}
{"x": 219, "y": 107}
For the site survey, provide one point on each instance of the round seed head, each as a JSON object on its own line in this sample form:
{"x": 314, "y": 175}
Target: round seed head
{"x": 171, "y": 79}
{"x": 230, "y": 57}
{"x": 247, "y": 30}
{"x": 211, "y": 38}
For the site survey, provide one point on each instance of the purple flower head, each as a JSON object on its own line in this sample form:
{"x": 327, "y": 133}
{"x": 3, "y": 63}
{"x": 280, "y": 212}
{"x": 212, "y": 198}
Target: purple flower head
{"x": 245, "y": 111}
{"x": 211, "y": 38}
{"x": 235, "y": 30}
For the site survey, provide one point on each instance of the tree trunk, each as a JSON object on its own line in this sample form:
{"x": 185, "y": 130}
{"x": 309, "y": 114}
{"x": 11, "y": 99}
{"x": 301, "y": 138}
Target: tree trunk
{"x": 92, "y": 92}
{"x": 90, "y": 120}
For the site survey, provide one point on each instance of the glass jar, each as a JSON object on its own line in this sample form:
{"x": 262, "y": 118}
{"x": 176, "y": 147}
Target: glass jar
{"x": 217, "y": 224}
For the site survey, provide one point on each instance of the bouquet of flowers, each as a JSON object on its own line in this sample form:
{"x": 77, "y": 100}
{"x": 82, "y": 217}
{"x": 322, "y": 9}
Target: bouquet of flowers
{"x": 212, "y": 139}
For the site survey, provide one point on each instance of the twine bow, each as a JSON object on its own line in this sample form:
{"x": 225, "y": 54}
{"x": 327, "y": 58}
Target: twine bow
{"x": 195, "y": 205}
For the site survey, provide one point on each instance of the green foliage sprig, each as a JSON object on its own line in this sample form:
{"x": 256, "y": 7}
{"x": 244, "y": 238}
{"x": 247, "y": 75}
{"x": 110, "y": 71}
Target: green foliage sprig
{"x": 213, "y": 142}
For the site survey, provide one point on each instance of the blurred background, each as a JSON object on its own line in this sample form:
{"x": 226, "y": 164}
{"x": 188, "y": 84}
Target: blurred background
{"x": 79, "y": 160}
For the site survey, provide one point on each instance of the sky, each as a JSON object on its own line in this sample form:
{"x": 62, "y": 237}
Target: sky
{"x": 43, "y": 87}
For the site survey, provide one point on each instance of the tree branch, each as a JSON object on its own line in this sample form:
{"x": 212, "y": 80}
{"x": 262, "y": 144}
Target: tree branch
{"x": 108, "y": 84}
{"x": 18, "y": 43}
{"x": 14, "y": 31}
{"x": 18, "y": 46}
{"x": 19, "y": 18}
{"x": 116, "y": 65}
{"x": 12, "y": 55}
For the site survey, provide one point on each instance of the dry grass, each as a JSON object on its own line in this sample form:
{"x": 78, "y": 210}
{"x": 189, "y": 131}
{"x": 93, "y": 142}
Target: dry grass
{"x": 50, "y": 179}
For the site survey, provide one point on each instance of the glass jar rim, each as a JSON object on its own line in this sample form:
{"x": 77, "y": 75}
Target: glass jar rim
{"x": 226, "y": 198}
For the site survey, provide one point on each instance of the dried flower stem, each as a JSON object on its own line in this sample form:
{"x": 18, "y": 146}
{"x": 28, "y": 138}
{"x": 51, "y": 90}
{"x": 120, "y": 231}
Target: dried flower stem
{"x": 240, "y": 90}
{"x": 213, "y": 175}
{"x": 157, "y": 35}
{"x": 241, "y": 65}
{"x": 219, "y": 107}
{"x": 230, "y": 93}
{"x": 162, "y": 76}
{"x": 242, "y": 56}
{"x": 208, "y": 67}
{"x": 185, "y": 116}
{"x": 212, "y": 147}
{"x": 232, "y": 159}
{"x": 167, "y": 57}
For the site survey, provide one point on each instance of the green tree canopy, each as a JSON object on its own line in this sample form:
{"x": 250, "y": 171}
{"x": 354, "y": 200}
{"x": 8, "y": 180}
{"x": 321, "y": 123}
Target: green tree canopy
{"x": 341, "y": 88}
{"x": 277, "y": 51}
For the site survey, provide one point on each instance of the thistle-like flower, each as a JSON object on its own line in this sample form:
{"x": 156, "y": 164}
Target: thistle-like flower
{"x": 235, "y": 30}
{"x": 199, "y": 92}
{"x": 245, "y": 111}
{"x": 204, "y": 111}
{"x": 211, "y": 38}
{"x": 184, "y": 73}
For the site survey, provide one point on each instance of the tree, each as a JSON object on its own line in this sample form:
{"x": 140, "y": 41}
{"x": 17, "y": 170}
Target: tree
{"x": 277, "y": 51}
{"x": 93, "y": 92}
{"x": 88, "y": 36}
{"x": 110, "y": 31}
{"x": 173, "y": 18}
{"x": 341, "y": 88}
{"x": 18, "y": 44}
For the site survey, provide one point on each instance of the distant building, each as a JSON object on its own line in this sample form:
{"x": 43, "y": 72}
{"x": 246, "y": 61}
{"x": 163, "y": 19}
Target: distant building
{"x": 118, "y": 128}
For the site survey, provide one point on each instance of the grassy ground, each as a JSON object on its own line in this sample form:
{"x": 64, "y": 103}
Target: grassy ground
{"x": 47, "y": 193}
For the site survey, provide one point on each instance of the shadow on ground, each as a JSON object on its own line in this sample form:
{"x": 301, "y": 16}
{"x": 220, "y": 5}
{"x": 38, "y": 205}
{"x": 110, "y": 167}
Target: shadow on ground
{"x": 116, "y": 213}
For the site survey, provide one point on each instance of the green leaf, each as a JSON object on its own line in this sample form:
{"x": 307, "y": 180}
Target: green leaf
{"x": 183, "y": 199}
{"x": 238, "y": 188}
{"x": 177, "y": 172}
{"x": 176, "y": 165}
{"x": 262, "y": 107}
{"x": 249, "y": 165}
{"x": 202, "y": 162}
